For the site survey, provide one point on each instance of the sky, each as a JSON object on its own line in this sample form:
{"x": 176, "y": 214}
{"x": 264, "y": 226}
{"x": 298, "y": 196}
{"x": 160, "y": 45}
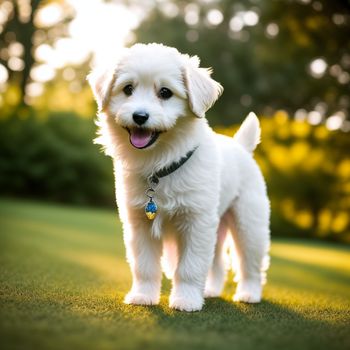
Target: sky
{"x": 98, "y": 28}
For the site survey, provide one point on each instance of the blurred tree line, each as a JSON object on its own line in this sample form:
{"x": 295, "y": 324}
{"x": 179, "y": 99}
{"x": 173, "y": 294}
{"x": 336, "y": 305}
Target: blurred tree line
{"x": 21, "y": 34}
{"x": 307, "y": 174}
{"x": 269, "y": 55}
{"x": 36, "y": 70}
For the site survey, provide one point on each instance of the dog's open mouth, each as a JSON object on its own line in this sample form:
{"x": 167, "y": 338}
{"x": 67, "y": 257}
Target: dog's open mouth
{"x": 142, "y": 138}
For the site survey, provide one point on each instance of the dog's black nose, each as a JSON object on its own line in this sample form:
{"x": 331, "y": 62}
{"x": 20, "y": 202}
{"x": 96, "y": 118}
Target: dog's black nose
{"x": 140, "y": 117}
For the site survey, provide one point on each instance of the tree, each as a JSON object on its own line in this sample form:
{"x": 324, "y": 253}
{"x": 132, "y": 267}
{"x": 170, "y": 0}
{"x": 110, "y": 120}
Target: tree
{"x": 269, "y": 55}
{"x": 21, "y": 34}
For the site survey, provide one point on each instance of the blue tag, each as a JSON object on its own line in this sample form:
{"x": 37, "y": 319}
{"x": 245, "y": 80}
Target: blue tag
{"x": 151, "y": 209}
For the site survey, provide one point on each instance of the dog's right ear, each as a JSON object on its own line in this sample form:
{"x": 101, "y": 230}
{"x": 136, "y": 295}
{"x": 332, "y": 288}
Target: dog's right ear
{"x": 101, "y": 82}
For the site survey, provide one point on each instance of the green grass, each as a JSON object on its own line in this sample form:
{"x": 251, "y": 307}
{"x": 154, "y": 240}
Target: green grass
{"x": 64, "y": 275}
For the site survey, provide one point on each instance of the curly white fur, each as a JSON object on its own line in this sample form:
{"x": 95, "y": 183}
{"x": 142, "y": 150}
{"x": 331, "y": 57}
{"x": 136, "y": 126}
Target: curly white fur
{"x": 220, "y": 189}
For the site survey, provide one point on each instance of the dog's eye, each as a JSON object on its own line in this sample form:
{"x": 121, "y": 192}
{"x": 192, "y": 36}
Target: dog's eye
{"x": 165, "y": 93}
{"x": 128, "y": 89}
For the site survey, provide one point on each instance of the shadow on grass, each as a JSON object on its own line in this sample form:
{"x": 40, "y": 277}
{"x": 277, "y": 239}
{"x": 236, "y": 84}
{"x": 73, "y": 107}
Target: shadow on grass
{"x": 104, "y": 322}
{"x": 223, "y": 324}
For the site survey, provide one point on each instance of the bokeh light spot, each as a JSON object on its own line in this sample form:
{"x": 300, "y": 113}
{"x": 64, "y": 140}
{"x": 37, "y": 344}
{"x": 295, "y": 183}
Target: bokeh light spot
{"x": 318, "y": 67}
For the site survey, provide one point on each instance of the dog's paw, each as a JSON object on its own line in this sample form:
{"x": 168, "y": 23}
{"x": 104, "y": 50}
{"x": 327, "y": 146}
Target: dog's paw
{"x": 211, "y": 292}
{"x": 247, "y": 297}
{"x": 140, "y": 299}
{"x": 248, "y": 292}
{"x": 184, "y": 304}
{"x": 185, "y": 297}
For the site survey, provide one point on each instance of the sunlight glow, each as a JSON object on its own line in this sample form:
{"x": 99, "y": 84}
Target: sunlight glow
{"x": 169, "y": 9}
{"x": 313, "y": 255}
{"x": 44, "y": 53}
{"x": 4, "y": 75}
{"x": 100, "y": 28}
{"x": 5, "y": 10}
{"x": 71, "y": 51}
{"x": 272, "y": 30}
{"x": 215, "y": 17}
{"x": 236, "y": 24}
{"x": 243, "y": 18}
{"x": 191, "y": 14}
{"x": 48, "y": 15}
{"x": 314, "y": 117}
{"x": 300, "y": 114}
{"x": 15, "y": 49}
{"x": 15, "y": 64}
{"x": 318, "y": 67}
{"x": 34, "y": 89}
{"x": 24, "y": 10}
{"x": 335, "y": 122}
{"x": 42, "y": 73}
{"x": 250, "y": 18}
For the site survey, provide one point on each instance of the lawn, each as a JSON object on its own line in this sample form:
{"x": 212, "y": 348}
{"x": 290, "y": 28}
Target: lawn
{"x": 63, "y": 278}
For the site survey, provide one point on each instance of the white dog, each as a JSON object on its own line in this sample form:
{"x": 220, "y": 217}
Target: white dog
{"x": 196, "y": 185}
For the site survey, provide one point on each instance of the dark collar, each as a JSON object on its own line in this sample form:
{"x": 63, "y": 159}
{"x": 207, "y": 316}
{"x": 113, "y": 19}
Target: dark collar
{"x": 154, "y": 178}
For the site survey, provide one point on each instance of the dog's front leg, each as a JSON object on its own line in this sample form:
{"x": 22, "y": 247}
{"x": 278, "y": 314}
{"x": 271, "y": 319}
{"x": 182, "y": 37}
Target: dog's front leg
{"x": 143, "y": 252}
{"x": 198, "y": 237}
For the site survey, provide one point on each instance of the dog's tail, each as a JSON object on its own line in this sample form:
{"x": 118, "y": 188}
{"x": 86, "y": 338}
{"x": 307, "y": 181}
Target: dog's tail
{"x": 248, "y": 135}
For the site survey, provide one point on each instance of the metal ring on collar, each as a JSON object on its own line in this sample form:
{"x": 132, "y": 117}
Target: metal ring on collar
{"x": 150, "y": 192}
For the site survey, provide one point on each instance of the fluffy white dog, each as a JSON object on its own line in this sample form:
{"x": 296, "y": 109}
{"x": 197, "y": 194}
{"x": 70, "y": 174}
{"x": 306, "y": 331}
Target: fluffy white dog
{"x": 181, "y": 187}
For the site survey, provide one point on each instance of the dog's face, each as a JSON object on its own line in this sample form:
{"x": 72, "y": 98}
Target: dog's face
{"x": 151, "y": 87}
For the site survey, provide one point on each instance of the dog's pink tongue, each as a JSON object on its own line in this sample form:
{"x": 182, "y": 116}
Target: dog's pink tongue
{"x": 140, "y": 138}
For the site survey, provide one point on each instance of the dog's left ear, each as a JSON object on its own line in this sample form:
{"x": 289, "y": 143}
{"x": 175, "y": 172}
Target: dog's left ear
{"x": 202, "y": 90}
{"x": 101, "y": 82}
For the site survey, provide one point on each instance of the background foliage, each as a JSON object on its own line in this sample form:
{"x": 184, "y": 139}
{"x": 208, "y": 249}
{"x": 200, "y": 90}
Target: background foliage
{"x": 288, "y": 60}
{"x": 307, "y": 175}
{"x": 264, "y": 64}
{"x": 54, "y": 159}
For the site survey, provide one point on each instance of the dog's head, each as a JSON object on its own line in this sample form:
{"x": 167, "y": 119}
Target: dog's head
{"x": 150, "y": 88}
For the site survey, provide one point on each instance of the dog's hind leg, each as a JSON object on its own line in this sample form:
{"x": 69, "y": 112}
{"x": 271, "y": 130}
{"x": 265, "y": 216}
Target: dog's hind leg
{"x": 217, "y": 273}
{"x": 249, "y": 224}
